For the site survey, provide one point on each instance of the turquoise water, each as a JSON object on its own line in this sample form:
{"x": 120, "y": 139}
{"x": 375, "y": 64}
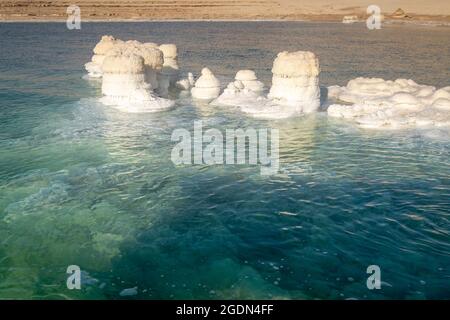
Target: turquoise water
{"x": 84, "y": 184}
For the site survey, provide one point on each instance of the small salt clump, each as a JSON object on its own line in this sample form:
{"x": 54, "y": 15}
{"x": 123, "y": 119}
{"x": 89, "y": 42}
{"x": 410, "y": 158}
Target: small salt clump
{"x": 207, "y": 86}
{"x": 245, "y": 89}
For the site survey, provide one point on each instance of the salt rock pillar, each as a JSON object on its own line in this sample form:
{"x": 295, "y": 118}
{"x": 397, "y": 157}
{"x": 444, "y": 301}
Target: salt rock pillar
{"x": 124, "y": 79}
{"x": 169, "y": 74}
{"x": 153, "y": 61}
{"x": 153, "y": 58}
{"x": 295, "y": 80}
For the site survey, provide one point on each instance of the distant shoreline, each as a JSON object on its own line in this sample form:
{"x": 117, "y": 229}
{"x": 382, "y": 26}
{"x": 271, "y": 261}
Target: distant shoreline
{"x": 326, "y": 18}
{"x": 433, "y": 23}
{"x": 399, "y": 11}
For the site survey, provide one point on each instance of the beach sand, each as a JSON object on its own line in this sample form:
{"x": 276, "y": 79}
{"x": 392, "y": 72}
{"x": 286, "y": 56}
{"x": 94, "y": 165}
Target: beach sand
{"x": 320, "y": 10}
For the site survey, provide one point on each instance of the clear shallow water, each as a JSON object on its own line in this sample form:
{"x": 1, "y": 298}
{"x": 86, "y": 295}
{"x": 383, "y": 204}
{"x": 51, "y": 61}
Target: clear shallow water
{"x": 84, "y": 184}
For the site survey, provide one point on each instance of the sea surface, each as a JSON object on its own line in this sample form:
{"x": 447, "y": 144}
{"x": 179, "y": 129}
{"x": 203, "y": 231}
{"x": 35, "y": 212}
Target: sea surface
{"x": 84, "y": 184}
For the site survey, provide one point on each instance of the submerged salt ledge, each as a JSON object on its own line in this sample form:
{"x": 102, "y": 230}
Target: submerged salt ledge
{"x": 376, "y": 103}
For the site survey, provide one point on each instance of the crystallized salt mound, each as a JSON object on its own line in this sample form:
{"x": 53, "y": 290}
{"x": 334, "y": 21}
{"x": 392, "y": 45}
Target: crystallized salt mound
{"x": 246, "y": 75}
{"x": 207, "y": 87}
{"x": 242, "y": 91}
{"x": 295, "y": 88}
{"x": 249, "y": 80}
{"x": 108, "y": 45}
{"x": 153, "y": 58}
{"x": 126, "y": 63}
{"x": 296, "y": 64}
{"x": 105, "y": 44}
{"x": 161, "y": 64}
{"x": 295, "y": 81}
{"x": 376, "y": 103}
{"x": 94, "y": 66}
{"x": 124, "y": 84}
{"x": 133, "y": 72}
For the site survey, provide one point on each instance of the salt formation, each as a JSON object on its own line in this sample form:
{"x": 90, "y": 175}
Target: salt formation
{"x": 376, "y": 103}
{"x": 133, "y": 72}
{"x": 350, "y": 19}
{"x": 295, "y": 80}
{"x": 169, "y": 73}
{"x": 153, "y": 58}
{"x": 207, "y": 86}
{"x": 125, "y": 83}
{"x": 245, "y": 88}
{"x": 94, "y": 67}
{"x": 295, "y": 88}
{"x": 249, "y": 80}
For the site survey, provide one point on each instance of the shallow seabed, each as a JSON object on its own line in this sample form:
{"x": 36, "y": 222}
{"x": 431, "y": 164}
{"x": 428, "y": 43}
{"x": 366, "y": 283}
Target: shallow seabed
{"x": 84, "y": 184}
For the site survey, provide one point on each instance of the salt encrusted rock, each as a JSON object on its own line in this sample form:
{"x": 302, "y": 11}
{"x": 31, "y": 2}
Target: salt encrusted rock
{"x": 207, "y": 86}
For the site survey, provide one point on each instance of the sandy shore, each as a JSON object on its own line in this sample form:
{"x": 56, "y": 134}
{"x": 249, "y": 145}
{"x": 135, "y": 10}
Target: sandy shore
{"x": 144, "y": 10}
